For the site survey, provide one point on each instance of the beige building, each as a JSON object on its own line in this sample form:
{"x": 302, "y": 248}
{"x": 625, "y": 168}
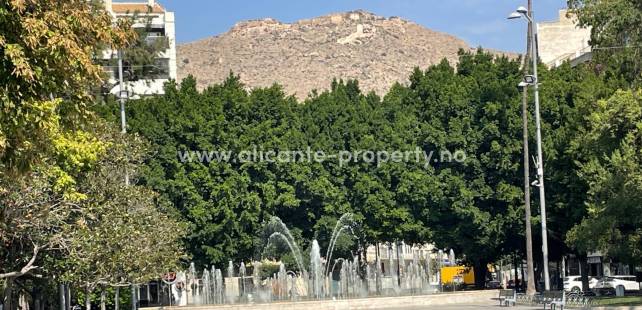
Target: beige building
{"x": 562, "y": 40}
{"x": 390, "y": 252}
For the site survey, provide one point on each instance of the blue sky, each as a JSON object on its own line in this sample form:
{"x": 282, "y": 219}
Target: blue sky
{"x": 478, "y": 22}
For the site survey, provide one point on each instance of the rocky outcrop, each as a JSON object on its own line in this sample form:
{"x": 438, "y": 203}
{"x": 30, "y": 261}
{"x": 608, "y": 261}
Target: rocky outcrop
{"x": 307, "y": 54}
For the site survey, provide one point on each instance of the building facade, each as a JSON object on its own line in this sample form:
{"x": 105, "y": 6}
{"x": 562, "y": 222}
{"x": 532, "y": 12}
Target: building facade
{"x": 158, "y": 24}
{"x": 562, "y": 40}
{"x": 391, "y": 253}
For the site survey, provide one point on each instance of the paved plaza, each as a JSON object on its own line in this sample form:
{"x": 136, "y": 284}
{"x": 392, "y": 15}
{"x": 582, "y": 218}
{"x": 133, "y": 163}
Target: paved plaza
{"x": 496, "y": 306}
{"x": 466, "y": 307}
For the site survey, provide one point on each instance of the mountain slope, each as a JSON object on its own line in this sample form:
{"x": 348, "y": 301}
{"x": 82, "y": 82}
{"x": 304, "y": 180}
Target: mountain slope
{"x": 307, "y": 54}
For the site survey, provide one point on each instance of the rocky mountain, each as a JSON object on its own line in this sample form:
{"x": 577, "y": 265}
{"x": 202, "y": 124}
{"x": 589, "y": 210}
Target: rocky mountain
{"x": 307, "y": 54}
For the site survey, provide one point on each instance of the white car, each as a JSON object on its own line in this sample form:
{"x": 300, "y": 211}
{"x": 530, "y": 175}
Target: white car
{"x": 574, "y": 283}
{"x": 611, "y": 283}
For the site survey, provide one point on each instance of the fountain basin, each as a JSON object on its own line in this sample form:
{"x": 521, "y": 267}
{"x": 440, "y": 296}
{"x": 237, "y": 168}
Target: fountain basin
{"x": 466, "y": 297}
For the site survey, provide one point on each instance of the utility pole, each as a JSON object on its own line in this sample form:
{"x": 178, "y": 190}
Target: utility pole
{"x": 540, "y": 159}
{"x": 530, "y": 288}
{"x": 533, "y": 80}
{"x": 122, "y": 95}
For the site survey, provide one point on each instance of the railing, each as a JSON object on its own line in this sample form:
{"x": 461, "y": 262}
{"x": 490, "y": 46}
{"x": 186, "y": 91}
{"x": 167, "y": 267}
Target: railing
{"x": 577, "y": 300}
{"x": 568, "y": 56}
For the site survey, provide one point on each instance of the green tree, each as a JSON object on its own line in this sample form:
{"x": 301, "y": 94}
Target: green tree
{"x": 46, "y": 75}
{"x": 612, "y": 143}
{"x": 616, "y": 37}
{"x": 474, "y": 109}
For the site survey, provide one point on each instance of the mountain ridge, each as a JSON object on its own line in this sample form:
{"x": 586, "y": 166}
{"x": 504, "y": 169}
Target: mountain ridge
{"x": 307, "y": 54}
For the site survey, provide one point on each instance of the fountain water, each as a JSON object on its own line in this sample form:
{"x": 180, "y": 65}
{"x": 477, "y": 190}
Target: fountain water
{"x": 206, "y": 287}
{"x": 393, "y": 269}
{"x": 242, "y": 279}
{"x": 316, "y": 270}
{"x": 218, "y": 286}
{"x": 343, "y": 223}
{"x": 316, "y": 282}
{"x": 281, "y": 230}
{"x": 231, "y": 288}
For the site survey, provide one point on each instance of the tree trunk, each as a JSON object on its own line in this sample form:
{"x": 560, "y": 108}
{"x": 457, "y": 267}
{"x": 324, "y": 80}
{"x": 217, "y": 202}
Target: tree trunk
{"x": 103, "y": 299}
{"x": 62, "y": 297}
{"x": 515, "y": 283}
{"x": 538, "y": 271}
{"x": 37, "y": 297}
{"x": 68, "y": 296}
{"x": 521, "y": 269}
{"x": 117, "y": 297}
{"x": 584, "y": 271}
{"x": 8, "y": 294}
{"x": 134, "y": 301}
{"x": 480, "y": 269}
{"x": 23, "y": 302}
{"x": 88, "y": 297}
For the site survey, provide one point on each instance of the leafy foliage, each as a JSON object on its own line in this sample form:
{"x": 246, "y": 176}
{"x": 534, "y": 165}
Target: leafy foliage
{"x": 613, "y": 143}
{"x": 474, "y": 206}
{"x": 46, "y": 74}
{"x": 616, "y": 37}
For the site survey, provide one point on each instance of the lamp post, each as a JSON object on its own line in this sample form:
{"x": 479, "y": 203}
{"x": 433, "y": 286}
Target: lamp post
{"x": 533, "y": 81}
{"x": 530, "y": 287}
{"x": 122, "y": 96}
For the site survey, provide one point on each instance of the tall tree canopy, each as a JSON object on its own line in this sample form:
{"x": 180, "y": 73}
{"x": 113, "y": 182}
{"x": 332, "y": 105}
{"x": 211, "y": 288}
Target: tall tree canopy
{"x": 612, "y": 144}
{"x": 474, "y": 206}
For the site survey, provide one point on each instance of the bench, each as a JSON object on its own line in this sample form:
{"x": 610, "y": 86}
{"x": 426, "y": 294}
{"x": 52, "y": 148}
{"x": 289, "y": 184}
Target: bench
{"x": 506, "y": 297}
{"x": 554, "y": 299}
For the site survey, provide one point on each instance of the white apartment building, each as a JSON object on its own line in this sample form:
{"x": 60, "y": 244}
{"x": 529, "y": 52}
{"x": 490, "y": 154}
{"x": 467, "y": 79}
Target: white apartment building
{"x": 562, "y": 40}
{"x": 161, "y": 25}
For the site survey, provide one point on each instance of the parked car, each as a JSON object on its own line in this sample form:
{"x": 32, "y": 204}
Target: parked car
{"x": 493, "y": 284}
{"x": 574, "y": 283}
{"x": 608, "y": 285}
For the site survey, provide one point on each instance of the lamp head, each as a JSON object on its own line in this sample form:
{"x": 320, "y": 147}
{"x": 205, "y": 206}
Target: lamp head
{"x": 530, "y": 79}
{"x": 514, "y": 15}
{"x": 522, "y": 84}
{"x": 521, "y": 10}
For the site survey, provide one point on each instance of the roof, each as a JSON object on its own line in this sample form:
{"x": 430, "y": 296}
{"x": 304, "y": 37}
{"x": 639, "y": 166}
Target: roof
{"x": 126, "y": 7}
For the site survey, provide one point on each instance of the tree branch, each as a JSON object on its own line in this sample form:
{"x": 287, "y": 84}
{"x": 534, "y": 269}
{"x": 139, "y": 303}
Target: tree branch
{"x": 26, "y": 269}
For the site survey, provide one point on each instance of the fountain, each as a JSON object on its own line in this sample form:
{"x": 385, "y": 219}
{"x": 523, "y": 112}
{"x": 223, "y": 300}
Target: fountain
{"x": 357, "y": 277}
{"x": 342, "y": 224}
{"x": 316, "y": 271}
{"x": 283, "y": 232}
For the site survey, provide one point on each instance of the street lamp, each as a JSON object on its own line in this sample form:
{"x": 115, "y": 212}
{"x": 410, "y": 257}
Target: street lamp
{"x": 123, "y": 95}
{"x": 532, "y": 80}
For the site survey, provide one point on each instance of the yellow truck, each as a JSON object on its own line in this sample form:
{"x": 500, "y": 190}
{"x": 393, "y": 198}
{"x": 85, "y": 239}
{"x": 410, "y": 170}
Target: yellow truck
{"x": 460, "y": 274}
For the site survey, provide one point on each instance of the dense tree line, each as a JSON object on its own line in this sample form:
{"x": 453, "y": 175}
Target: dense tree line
{"x": 475, "y": 207}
